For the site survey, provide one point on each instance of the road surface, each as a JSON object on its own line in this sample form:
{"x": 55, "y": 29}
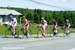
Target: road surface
{"x": 49, "y": 43}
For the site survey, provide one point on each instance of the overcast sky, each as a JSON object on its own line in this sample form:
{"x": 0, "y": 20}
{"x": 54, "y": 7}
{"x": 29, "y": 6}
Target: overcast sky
{"x": 40, "y": 4}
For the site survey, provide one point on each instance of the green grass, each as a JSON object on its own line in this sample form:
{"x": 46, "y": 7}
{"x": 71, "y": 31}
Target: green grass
{"x": 3, "y": 30}
{"x": 72, "y": 30}
{"x": 34, "y": 29}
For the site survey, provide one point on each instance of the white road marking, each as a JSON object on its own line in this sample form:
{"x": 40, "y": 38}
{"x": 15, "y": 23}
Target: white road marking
{"x": 8, "y": 48}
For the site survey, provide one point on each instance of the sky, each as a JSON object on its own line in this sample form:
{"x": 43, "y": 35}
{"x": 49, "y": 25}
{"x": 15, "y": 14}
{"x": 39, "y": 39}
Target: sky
{"x": 40, "y": 4}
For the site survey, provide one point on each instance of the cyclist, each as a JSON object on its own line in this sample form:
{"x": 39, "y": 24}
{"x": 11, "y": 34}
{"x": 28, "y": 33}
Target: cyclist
{"x": 54, "y": 27}
{"x": 67, "y": 26}
{"x": 43, "y": 26}
{"x": 12, "y": 24}
{"x": 25, "y": 24}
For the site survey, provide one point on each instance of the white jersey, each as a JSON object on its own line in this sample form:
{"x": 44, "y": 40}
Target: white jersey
{"x": 14, "y": 22}
{"x": 43, "y": 22}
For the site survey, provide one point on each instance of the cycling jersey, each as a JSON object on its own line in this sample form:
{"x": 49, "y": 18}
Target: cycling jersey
{"x": 14, "y": 22}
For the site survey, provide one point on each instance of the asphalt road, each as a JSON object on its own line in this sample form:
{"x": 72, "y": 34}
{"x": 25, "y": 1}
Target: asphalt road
{"x": 49, "y": 43}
